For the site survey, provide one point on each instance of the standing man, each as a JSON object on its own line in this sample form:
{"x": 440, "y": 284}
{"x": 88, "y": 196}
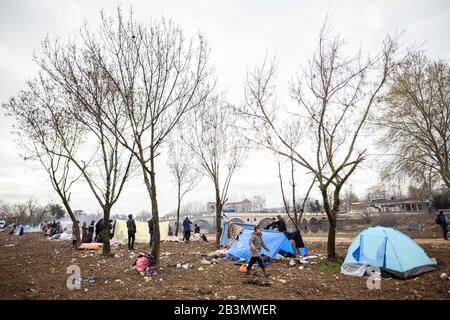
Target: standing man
{"x": 187, "y": 229}
{"x": 131, "y": 226}
{"x": 440, "y": 219}
{"x": 151, "y": 230}
{"x": 90, "y": 234}
{"x": 255, "y": 243}
{"x": 281, "y": 224}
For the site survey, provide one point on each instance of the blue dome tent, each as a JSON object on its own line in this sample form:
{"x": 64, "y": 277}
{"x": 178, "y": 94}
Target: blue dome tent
{"x": 388, "y": 249}
{"x": 276, "y": 241}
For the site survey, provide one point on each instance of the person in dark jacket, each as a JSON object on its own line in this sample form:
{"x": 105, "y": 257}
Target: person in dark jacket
{"x": 187, "y": 229}
{"x": 196, "y": 228}
{"x": 281, "y": 224}
{"x": 151, "y": 230}
{"x": 111, "y": 229}
{"x": 131, "y": 226}
{"x": 84, "y": 228}
{"x": 90, "y": 234}
{"x": 255, "y": 243}
{"x": 99, "y": 231}
{"x": 440, "y": 219}
{"x": 273, "y": 225}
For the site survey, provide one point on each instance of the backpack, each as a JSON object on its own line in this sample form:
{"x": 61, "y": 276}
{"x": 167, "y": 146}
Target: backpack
{"x": 437, "y": 220}
{"x": 142, "y": 264}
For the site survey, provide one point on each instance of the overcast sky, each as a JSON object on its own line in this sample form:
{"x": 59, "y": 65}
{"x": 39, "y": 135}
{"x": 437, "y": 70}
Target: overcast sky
{"x": 240, "y": 33}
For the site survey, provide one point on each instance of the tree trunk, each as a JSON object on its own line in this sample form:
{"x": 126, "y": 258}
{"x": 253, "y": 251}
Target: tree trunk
{"x": 156, "y": 247}
{"x": 178, "y": 210}
{"x": 218, "y": 216}
{"x": 106, "y": 242}
{"x": 331, "y": 242}
{"x": 76, "y": 227}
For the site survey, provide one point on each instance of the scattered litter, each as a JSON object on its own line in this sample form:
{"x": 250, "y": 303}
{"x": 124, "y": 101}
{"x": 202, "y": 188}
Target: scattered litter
{"x": 204, "y": 261}
{"x": 151, "y": 273}
{"x": 301, "y": 267}
{"x": 9, "y": 245}
{"x": 304, "y": 261}
{"x": 231, "y": 297}
{"x": 434, "y": 261}
{"x": 292, "y": 262}
{"x": 282, "y": 280}
{"x": 444, "y": 276}
{"x": 89, "y": 279}
{"x": 200, "y": 269}
{"x": 178, "y": 265}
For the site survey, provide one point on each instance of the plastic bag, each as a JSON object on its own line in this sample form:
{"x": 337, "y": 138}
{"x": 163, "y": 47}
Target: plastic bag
{"x": 353, "y": 269}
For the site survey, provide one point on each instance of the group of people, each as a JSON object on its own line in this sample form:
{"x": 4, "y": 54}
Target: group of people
{"x": 187, "y": 230}
{"x": 131, "y": 228}
{"x": 51, "y": 228}
{"x": 94, "y": 231}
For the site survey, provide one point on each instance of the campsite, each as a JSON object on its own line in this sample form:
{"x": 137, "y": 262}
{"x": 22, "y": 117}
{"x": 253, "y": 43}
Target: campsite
{"x": 32, "y": 267}
{"x": 238, "y": 151}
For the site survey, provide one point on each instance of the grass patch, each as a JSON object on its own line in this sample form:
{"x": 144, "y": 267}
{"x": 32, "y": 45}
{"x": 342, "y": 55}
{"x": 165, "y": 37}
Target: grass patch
{"x": 331, "y": 266}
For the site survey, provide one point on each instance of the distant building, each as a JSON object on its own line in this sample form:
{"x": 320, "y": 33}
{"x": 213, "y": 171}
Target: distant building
{"x": 379, "y": 205}
{"x": 231, "y": 207}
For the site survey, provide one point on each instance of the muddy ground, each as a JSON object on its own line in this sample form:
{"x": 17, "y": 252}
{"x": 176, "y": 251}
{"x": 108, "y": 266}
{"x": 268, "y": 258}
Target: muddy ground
{"x": 32, "y": 267}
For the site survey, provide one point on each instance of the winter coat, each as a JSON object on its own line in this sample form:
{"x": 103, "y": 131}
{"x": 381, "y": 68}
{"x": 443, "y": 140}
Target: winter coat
{"x": 281, "y": 225}
{"x": 131, "y": 226}
{"x": 150, "y": 225}
{"x": 255, "y": 243}
{"x": 442, "y": 220}
{"x": 187, "y": 225}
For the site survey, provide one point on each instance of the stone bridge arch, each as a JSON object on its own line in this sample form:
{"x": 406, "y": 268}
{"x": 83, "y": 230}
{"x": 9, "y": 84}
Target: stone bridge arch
{"x": 265, "y": 221}
{"x": 205, "y": 226}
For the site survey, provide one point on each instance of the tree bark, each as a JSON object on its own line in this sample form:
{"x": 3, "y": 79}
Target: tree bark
{"x": 106, "y": 242}
{"x": 76, "y": 227}
{"x": 218, "y": 216}
{"x": 331, "y": 245}
{"x": 156, "y": 247}
{"x": 178, "y": 210}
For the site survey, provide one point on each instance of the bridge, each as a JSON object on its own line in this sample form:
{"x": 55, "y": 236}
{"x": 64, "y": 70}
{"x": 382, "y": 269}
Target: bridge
{"x": 207, "y": 221}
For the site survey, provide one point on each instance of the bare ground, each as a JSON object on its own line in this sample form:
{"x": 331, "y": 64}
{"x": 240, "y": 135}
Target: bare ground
{"x": 32, "y": 267}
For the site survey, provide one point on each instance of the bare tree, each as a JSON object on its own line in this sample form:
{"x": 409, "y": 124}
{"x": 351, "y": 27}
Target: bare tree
{"x": 85, "y": 92}
{"x": 334, "y": 95}
{"x": 416, "y": 121}
{"x": 258, "y": 203}
{"x": 34, "y": 129}
{"x": 218, "y": 146}
{"x": 294, "y": 207}
{"x": 157, "y": 76}
{"x": 183, "y": 169}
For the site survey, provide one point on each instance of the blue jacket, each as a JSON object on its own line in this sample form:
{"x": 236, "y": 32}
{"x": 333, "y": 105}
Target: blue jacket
{"x": 187, "y": 225}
